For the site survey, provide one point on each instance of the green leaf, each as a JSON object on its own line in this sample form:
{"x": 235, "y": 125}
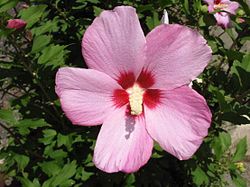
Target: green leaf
{"x": 66, "y": 173}
{"x": 242, "y": 71}
{"x": 8, "y": 116}
{"x": 58, "y": 154}
{"x": 7, "y": 5}
{"x": 65, "y": 140}
{"x": 224, "y": 106}
{"x": 156, "y": 155}
{"x": 130, "y": 180}
{"x": 152, "y": 22}
{"x": 9, "y": 65}
{"x": 200, "y": 177}
{"x": 93, "y": 1}
{"x": 49, "y": 148}
{"x": 246, "y": 62}
{"x": 239, "y": 181}
{"x": 245, "y": 6}
{"x": 23, "y": 126}
{"x": 97, "y": 11}
{"x": 186, "y": 6}
{"x": 241, "y": 150}
{"x": 80, "y": 6}
{"x": 47, "y": 27}
{"x": 49, "y": 133}
{"x": 197, "y": 5}
{"x": 86, "y": 175}
{"x": 53, "y": 55}
{"x": 234, "y": 55}
{"x": 82, "y": 174}
{"x": 32, "y": 14}
{"x": 157, "y": 147}
{"x": 32, "y": 123}
{"x": 40, "y": 42}
{"x": 68, "y": 183}
{"x": 22, "y": 161}
{"x": 48, "y": 136}
{"x": 50, "y": 168}
{"x": 202, "y": 24}
{"x": 27, "y": 183}
{"x": 231, "y": 32}
{"x": 221, "y": 144}
{"x": 213, "y": 45}
{"x": 143, "y": 8}
{"x": 4, "y": 32}
{"x": 90, "y": 1}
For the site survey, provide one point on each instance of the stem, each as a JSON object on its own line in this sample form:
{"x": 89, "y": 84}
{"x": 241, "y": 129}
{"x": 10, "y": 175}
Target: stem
{"x": 11, "y": 133}
{"x": 242, "y": 96}
{"x": 7, "y": 92}
{"x": 24, "y": 35}
{"x": 62, "y": 14}
{"x": 51, "y": 114}
{"x": 30, "y": 70}
{"x": 220, "y": 34}
{"x": 17, "y": 140}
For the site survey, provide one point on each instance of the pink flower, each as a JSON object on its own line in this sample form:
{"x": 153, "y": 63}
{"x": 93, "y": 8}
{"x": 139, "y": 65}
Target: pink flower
{"x": 222, "y": 18}
{"x": 241, "y": 20}
{"x": 137, "y": 87}
{"x": 16, "y": 24}
{"x": 24, "y": 5}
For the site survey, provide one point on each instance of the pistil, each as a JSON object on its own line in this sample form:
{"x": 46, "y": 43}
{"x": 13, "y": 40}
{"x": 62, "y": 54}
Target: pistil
{"x": 135, "y": 99}
{"x": 220, "y": 6}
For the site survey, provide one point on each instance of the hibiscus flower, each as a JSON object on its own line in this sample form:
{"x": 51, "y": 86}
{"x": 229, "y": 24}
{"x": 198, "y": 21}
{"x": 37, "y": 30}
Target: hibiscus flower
{"x": 226, "y": 7}
{"x": 137, "y": 88}
{"x": 16, "y": 24}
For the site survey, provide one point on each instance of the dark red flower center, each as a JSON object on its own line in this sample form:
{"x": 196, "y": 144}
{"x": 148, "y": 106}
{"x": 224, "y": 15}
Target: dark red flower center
{"x": 136, "y": 92}
{"x": 217, "y": 2}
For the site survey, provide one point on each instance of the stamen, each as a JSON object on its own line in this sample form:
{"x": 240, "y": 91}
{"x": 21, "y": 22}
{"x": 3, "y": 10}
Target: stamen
{"x": 220, "y": 6}
{"x": 135, "y": 99}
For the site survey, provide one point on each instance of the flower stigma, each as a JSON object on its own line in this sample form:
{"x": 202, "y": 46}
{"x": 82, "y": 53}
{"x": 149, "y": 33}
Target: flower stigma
{"x": 165, "y": 19}
{"x": 135, "y": 99}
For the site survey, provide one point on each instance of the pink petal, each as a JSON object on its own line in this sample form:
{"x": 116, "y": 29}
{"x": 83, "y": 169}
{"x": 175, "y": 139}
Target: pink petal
{"x": 210, "y": 8}
{"x": 123, "y": 143}
{"x": 175, "y": 55}
{"x": 232, "y": 7}
{"x": 222, "y": 19}
{"x": 85, "y": 95}
{"x": 112, "y": 43}
{"x": 225, "y": 1}
{"x": 180, "y": 122}
{"x": 210, "y": 5}
{"x": 16, "y": 24}
{"x": 209, "y": 1}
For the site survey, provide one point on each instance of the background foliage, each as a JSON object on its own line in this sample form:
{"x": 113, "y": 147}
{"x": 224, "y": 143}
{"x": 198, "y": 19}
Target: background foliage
{"x": 43, "y": 147}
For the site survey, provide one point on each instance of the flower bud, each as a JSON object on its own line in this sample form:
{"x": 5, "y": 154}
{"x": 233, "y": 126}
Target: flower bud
{"x": 240, "y": 166}
{"x": 16, "y": 23}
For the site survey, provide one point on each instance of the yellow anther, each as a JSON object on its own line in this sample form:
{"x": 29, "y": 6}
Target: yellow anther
{"x": 220, "y": 6}
{"x": 135, "y": 99}
{"x": 240, "y": 166}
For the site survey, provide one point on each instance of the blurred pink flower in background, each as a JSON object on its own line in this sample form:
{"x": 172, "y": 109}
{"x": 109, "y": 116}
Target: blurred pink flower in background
{"x": 24, "y": 5}
{"x": 222, "y": 18}
{"x": 241, "y": 20}
{"x": 16, "y": 24}
{"x": 137, "y": 87}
